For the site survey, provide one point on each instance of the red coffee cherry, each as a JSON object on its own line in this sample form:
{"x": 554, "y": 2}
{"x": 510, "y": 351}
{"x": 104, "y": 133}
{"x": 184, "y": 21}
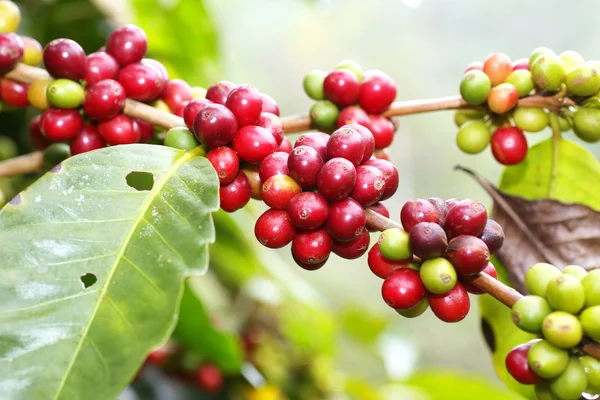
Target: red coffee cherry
{"x": 308, "y": 210}
{"x": 452, "y": 306}
{"x": 142, "y": 82}
{"x": 380, "y": 208}
{"x": 87, "y": 140}
{"x": 341, "y": 87}
{"x": 236, "y": 194}
{"x": 269, "y": 105}
{"x": 418, "y": 210}
{"x": 215, "y": 125}
{"x": 64, "y": 58}
{"x": 219, "y": 92}
{"x": 346, "y": 220}
{"x": 477, "y": 65}
{"x": 253, "y": 143}
{"x": 100, "y": 66}
{"x": 14, "y": 93}
{"x": 468, "y": 254}
{"x": 104, "y": 100}
{"x": 274, "y": 164}
{"x": 178, "y": 92}
{"x": 403, "y": 289}
{"x": 209, "y": 378}
{"x": 278, "y": 190}
{"x": 311, "y": 249}
{"x": 490, "y": 270}
{"x": 521, "y": 63}
{"x": 37, "y": 138}
{"x": 468, "y": 217}
{"x": 304, "y": 164}
{"x": 226, "y": 162}
{"x": 509, "y": 145}
{"x": 271, "y": 123}
{"x": 518, "y": 366}
{"x": 160, "y": 69}
{"x": 346, "y": 143}
{"x": 451, "y": 203}
{"x": 245, "y": 103}
{"x": 145, "y": 129}
{"x": 119, "y": 130}
{"x": 368, "y": 141}
{"x": 285, "y": 146}
{"x": 353, "y": 249}
{"x": 127, "y": 44}
{"x": 160, "y": 355}
{"x": 390, "y": 175}
{"x": 383, "y": 131}
{"x": 353, "y": 115}
{"x": 337, "y": 179}
{"x": 61, "y": 125}
{"x": 11, "y": 51}
{"x": 273, "y": 229}
{"x": 316, "y": 140}
{"x": 192, "y": 109}
{"x": 369, "y": 186}
{"x": 493, "y": 235}
{"x": 428, "y": 240}
{"x": 381, "y": 266}
{"x": 377, "y": 92}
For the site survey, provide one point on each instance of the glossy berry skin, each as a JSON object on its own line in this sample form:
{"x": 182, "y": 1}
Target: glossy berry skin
{"x": 497, "y": 66}
{"x": 272, "y": 123}
{"x": 503, "y": 98}
{"x": 273, "y": 229}
{"x": 312, "y": 247}
{"x": 11, "y": 51}
{"x": 490, "y": 270}
{"x": 245, "y": 103}
{"x": 274, "y": 164}
{"x": 278, "y": 190}
{"x": 304, "y": 164}
{"x": 381, "y": 266}
{"x": 521, "y": 63}
{"x": 142, "y": 82}
{"x": 219, "y": 92}
{"x": 428, "y": 240}
{"x": 468, "y": 217}
{"x": 177, "y": 93}
{"x": 390, "y": 175}
{"x": 337, "y": 179}
{"x": 468, "y": 254}
{"x": 518, "y": 367}
{"x": 209, "y": 378}
{"x": 493, "y": 236}
{"x": 383, "y": 131}
{"x": 353, "y": 115}
{"x": 341, "y": 87}
{"x": 369, "y": 186}
{"x": 119, "y": 130}
{"x": 87, "y": 140}
{"x": 353, "y": 249}
{"x": 452, "y": 306}
{"x": 316, "y": 140}
{"x": 509, "y": 145}
{"x": 146, "y": 131}
{"x": 377, "y": 92}
{"x": 64, "y": 58}
{"x": 104, "y": 100}
{"x": 60, "y": 125}
{"x": 236, "y": 194}
{"x": 253, "y": 143}
{"x": 367, "y": 139}
{"x": 100, "y": 66}
{"x": 380, "y": 208}
{"x": 346, "y": 143}
{"x": 308, "y": 210}
{"x": 37, "y": 138}
{"x": 127, "y": 44}
{"x": 192, "y": 109}
{"x": 160, "y": 69}
{"x": 269, "y": 105}
{"x": 215, "y": 125}
{"x": 285, "y": 146}
{"x": 226, "y": 162}
{"x": 14, "y": 93}
{"x": 403, "y": 289}
{"x": 418, "y": 210}
{"x": 347, "y": 220}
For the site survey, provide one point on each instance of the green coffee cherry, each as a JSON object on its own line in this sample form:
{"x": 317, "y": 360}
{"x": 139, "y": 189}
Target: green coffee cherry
{"x": 583, "y": 80}
{"x": 394, "y": 244}
{"x": 55, "y": 154}
{"x": 565, "y": 293}
{"x": 586, "y": 124}
{"x": 438, "y": 275}
{"x": 313, "y": 84}
{"x": 529, "y": 312}
{"x": 546, "y": 360}
{"x": 538, "y": 52}
{"x": 475, "y": 87}
{"x": 576, "y": 271}
{"x": 181, "y": 138}
{"x": 543, "y": 392}
{"x": 351, "y": 66}
{"x": 538, "y": 277}
{"x": 564, "y": 123}
{"x": 548, "y": 72}
{"x": 8, "y": 148}
{"x": 416, "y": 311}
{"x": 591, "y": 287}
{"x": 65, "y": 93}
{"x": 571, "y": 59}
{"x": 161, "y": 105}
{"x": 572, "y": 382}
{"x": 463, "y": 116}
{"x": 530, "y": 119}
{"x": 591, "y": 367}
{"x": 522, "y": 80}
{"x": 590, "y": 321}
{"x": 324, "y": 114}
{"x": 562, "y": 329}
{"x": 473, "y": 137}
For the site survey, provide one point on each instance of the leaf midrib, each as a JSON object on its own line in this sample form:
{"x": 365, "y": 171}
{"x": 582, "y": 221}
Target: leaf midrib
{"x": 140, "y": 217}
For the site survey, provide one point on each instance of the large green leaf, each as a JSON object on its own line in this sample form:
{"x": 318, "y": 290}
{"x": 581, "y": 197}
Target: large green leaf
{"x": 62, "y": 340}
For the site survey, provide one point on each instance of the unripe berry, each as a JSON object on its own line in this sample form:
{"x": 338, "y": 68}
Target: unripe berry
{"x": 571, "y": 59}
{"x": 351, "y": 66}
{"x": 313, "y": 84}
{"x": 354, "y": 248}
{"x": 468, "y": 217}
{"x": 509, "y": 145}
{"x": 353, "y": 115}
{"x": 497, "y": 66}
{"x": 590, "y": 318}
{"x": 311, "y": 248}
{"x": 274, "y": 164}
{"x": 346, "y": 220}
{"x": 10, "y": 17}
{"x": 104, "y": 100}
{"x": 529, "y": 312}
{"x": 548, "y": 72}
{"x": 475, "y": 87}
{"x": 591, "y": 286}
{"x": 383, "y": 131}
{"x": 11, "y": 51}
{"x": 428, "y": 240}
{"x": 336, "y": 179}
{"x": 566, "y": 293}
{"x": 269, "y": 105}
{"x": 127, "y": 44}
{"x": 452, "y": 306}
{"x": 522, "y": 80}
{"x": 381, "y": 266}
{"x": 119, "y": 130}
{"x": 36, "y": 93}
{"x": 180, "y": 138}
{"x": 253, "y": 143}
{"x": 438, "y": 275}
{"x": 271, "y": 123}
{"x": 346, "y": 143}
{"x": 562, "y": 329}
{"x": 278, "y": 190}
{"x": 403, "y": 289}
{"x": 518, "y": 367}
{"x": 394, "y": 244}
{"x": 64, "y": 58}
{"x": 539, "y": 276}
{"x": 571, "y": 383}
{"x": 245, "y": 103}
{"x": 61, "y": 125}
{"x": 226, "y": 162}
{"x": 416, "y": 311}
{"x": 324, "y": 114}
{"x": 341, "y": 87}
{"x": 530, "y": 119}
{"x": 273, "y": 229}
{"x": 316, "y": 140}
{"x": 192, "y": 109}
{"x": 65, "y": 93}
{"x": 537, "y": 52}
{"x": 219, "y": 92}
{"x": 377, "y": 92}
{"x": 308, "y": 210}
{"x": 492, "y": 235}
{"x": 236, "y": 194}
{"x": 87, "y": 140}
{"x": 304, "y": 164}
{"x": 546, "y": 360}
{"x": 503, "y": 98}
{"x": 215, "y": 125}
{"x": 468, "y": 254}
{"x": 100, "y": 66}
{"x": 473, "y": 137}
{"x": 55, "y": 154}
{"x": 390, "y": 175}
{"x": 586, "y": 124}
{"x": 576, "y": 271}
{"x": 463, "y": 116}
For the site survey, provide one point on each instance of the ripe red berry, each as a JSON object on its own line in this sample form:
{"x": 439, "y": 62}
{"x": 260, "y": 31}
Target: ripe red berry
{"x": 452, "y": 306}
{"x": 518, "y": 366}
{"x": 87, "y": 140}
{"x": 160, "y": 355}
{"x": 347, "y": 220}
{"x": 380, "y": 208}
{"x": 209, "y": 378}
{"x": 353, "y": 115}
{"x": 369, "y": 186}
{"x": 278, "y": 190}
{"x": 418, "y": 210}
{"x": 509, "y": 145}
{"x": 311, "y": 248}
{"x": 160, "y": 69}
{"x": 274, "y": 164}
{"x": 368, "y": 140}
{"x": 316, "y": 140}
{"x": 273, "y": 229}
{"x": 468, "y": 217}
{"x": 177, "y": 93}
{"x": 341, "y": 87}
{"x": 253, "y": 143}
{"x": 142, "y": 82}
{"x": 468, "y": 254}
{"x": 308, "y": 210}
{"x": 100, "y": 66}
{"x": 390, "y": 175}
{"x": 119, "y": 130}
{"x": 428, "y": 240}
{"x": 377, "y": 92}
{"x": 14, "y": 93}
{"x": 11, "y": 51}
{"x": 236, "y": 194}
{"x": 271, "y": 123}
{"x": 353, "y": 249}
{"x": 269, "y": 105}
{"x": 477, "y": 65}
{"x": 219, "y": 92}
{"x": 104, "y": 100}
{"x": 337, "y": 179}
{"x": 471, "y": 288}
{"x": 346, "y": 143}
{"x": 245, "y": 103}
{"x": 61, "y": 125}
{"x": 304, "y": 164}
{"x": 383, "y": 131}
{"x": 381, "y": 266}
{"x": 145, "y": 129}
{"x": 64, "y": 58}
{"x": 127, "y": 44}
{"x": 451, "y": 203}
{"x": 493, "y": 235}
{"x": 403, "y": 289}
{"x": 285, "y": 146}
{"x": 521, "y": 63}
{"x": 226, "y": 162}
{"x": 192, "y": 109}
{"x": 215, "y": 125}
{"x": 37, "y": 138}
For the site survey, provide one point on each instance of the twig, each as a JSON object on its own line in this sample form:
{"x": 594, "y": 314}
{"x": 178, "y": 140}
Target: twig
{"x": 24, "y": 164}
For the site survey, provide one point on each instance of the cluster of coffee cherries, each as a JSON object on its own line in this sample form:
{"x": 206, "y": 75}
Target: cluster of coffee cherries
{"x": 430, "y": 262}
{"x": 318, "y": 193}
{"x": 497, "y": 83}
{"x": 349, "y": 96}
{"x": 562, "y": 307}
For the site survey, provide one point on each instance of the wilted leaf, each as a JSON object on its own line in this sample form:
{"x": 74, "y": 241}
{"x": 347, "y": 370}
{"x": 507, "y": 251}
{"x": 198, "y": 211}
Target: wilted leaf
{"x": 91, "y": 268}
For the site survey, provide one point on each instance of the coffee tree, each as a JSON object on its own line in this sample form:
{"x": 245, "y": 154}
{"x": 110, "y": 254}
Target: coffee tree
{"x": 98, "y": 249}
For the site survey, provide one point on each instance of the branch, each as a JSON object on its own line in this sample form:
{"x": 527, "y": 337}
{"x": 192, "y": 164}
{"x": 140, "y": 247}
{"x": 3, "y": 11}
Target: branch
{"x": 24, "y": 164}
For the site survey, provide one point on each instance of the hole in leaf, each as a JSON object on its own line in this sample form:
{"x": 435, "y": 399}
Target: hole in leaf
{"x": 15, "y": 201}
{"x": 488, "y": 334}
{"x": 140, "y": 180}
{"x": 88, "y": 279}
{"x": 56, "y": 168}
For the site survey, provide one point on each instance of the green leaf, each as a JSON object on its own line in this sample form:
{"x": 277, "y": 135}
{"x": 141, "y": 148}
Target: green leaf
{"x": 61, "y": 340}
{"x": 363, "y": 325}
